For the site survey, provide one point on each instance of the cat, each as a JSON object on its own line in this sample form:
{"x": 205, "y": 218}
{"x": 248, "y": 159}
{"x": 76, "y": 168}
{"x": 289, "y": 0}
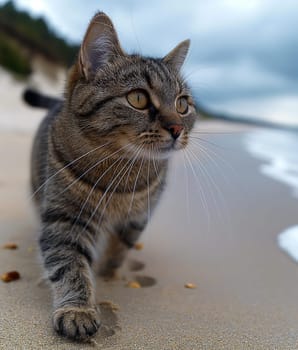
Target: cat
{"x": 99, "y": 164}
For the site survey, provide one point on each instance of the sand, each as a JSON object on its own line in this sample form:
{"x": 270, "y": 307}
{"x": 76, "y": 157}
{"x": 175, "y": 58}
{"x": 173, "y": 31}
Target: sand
{"x": 218, "y": 232}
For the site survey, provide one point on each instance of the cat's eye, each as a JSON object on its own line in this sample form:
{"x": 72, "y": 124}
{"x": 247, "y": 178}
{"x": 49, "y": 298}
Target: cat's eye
{"x": 182, "y": 105}
{"x": 138, "y": 99}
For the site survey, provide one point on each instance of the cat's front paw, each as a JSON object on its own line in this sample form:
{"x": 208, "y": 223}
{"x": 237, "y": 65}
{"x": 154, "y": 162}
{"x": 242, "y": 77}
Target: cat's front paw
{"x": 77, "y": 323}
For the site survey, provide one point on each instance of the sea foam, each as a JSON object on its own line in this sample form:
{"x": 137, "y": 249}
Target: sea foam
{"x": 279, "y": 150}
{"x": 288, "y": 241}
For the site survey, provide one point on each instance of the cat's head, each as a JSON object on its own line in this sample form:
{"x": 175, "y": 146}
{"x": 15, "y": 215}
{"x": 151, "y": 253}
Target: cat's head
{"x": 140, "y": 103}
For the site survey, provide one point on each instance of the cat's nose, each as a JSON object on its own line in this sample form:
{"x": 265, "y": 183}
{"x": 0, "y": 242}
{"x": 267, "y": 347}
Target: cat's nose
{"x": 175, "y": 130}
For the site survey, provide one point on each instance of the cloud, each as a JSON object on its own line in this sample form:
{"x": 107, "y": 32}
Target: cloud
{"x": 269, "y": 38}
{"x": 240, "y": 49}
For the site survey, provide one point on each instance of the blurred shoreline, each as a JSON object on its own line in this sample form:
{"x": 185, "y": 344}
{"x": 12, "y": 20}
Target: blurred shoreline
{"x": 49, "y": 78}
{"x": 245, "y": 120}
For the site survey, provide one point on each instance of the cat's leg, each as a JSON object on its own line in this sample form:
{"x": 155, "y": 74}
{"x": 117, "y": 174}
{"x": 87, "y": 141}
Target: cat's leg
{"x": 120, "y": 242}
{"x": 67, "y": 259}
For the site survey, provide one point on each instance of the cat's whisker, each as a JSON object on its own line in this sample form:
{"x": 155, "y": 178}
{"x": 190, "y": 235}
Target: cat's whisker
{"x": 206, "y": 151}
{"x": 148, "y": 185}
{"x": 187, "y": 189}
{"x": 135, "y": 31}
{"x": 201, "y": 132}
{"x": 91, "y": 168}
{"x": 203, "y": 197}
{"x": 118, "y": 160}
{"x": 138, "y": 152}
{"x": 217, "y": 155}
{"x": 127, "y": 168}
{"x": 66, "y": 166}
{"x": 210, "y": 179}
{"x": 192, "y": 137}
{"x": 134, "y": 187}
{"x": 211, "y": 185}
{"x": 156, "y": 150}
{"x": 202, "y": 187}
{"x": 199, "y": 68}
{"x": 105, "y": 193}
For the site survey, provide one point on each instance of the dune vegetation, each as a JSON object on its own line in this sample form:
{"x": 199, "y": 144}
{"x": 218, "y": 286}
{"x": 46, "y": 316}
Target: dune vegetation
{"x": 23, "y": 36}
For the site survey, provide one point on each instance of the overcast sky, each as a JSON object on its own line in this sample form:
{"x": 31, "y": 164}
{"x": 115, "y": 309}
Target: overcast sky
{"x": 244, "y": 53}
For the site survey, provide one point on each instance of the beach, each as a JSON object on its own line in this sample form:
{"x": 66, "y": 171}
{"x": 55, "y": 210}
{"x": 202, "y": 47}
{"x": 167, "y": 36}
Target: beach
{"x": 216, "y": 227}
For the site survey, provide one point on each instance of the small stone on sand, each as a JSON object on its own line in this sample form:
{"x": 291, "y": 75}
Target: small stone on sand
{"x": 10, "y": 276}
{"x": 133, "y": 284}
{"x": 11, "y": 246}
{"x": 139, "y": 246}
{"x": 190, "y": 285}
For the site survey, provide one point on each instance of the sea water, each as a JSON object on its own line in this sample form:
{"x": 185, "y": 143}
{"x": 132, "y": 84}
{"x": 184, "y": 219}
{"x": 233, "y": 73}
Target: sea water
{"x": 279, "y": 151}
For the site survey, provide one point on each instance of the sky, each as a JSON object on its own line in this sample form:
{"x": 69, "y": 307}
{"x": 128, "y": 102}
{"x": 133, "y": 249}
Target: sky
{"x": 243, "y": 56}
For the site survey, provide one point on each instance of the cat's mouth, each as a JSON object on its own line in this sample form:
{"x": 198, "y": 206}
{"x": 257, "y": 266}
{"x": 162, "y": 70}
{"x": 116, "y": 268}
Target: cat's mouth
{"x": 157, "y": 150}
{"x": 172, "y": 145}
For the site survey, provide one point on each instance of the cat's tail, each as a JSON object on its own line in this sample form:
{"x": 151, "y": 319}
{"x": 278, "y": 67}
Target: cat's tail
{"x": 36, "y": 99}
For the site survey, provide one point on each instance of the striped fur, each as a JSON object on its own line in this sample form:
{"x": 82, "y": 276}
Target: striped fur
{"x": 99, "y": 167}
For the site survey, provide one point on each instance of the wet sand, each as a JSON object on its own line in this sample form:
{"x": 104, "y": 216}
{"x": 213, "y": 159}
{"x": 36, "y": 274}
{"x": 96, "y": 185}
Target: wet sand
{"x": 218, "y": 231}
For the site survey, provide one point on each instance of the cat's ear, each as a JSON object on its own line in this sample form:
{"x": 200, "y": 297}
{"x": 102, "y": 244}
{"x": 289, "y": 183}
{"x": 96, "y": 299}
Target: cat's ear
{"x": 177, "y": 56}
{"x": 99, "y": 46}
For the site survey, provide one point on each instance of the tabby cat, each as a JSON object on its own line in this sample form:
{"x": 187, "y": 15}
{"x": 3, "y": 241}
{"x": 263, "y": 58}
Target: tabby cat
{"x": 99, "y": 165}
